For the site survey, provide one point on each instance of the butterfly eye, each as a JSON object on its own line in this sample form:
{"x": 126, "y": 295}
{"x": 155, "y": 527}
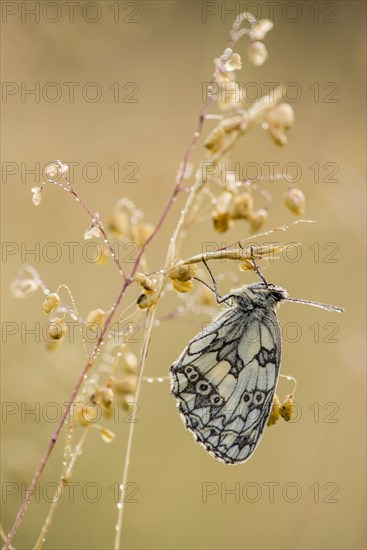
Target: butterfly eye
{"x": 203, "y": 388}
{"x": 191, "y": 374}
{"x": 259, "y": 398}
{"x": 247, "y": 398}
{"x": 216, "y": 400}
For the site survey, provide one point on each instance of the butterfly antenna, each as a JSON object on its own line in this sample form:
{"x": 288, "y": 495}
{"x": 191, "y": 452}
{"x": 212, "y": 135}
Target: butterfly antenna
{"x": 316, "y": 304}
{"x": 256, "y": 269}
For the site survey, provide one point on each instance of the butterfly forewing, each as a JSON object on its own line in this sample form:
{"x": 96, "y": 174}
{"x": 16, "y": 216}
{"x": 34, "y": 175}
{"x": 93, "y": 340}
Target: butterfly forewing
{"x": 225, "y": 380}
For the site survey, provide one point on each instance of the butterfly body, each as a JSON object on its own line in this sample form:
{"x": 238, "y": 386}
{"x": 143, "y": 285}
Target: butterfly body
{"x": 225, "y": 379}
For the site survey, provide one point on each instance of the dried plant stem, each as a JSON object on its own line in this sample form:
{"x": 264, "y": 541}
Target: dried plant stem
{"x": 63, "y": 481}
{"x": 4, "y": 537}
{"x": 121, "y": 504}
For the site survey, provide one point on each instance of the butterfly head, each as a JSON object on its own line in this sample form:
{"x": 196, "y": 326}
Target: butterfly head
{"x": 259, "y": 295}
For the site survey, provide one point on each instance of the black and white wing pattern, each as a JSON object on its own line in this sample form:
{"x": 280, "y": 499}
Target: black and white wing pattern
{"x": 224, "y": 381}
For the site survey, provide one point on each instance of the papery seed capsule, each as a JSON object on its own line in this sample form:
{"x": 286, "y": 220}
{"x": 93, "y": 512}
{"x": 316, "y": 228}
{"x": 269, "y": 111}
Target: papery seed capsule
{"x": 184, "y": 272}
{"x": 260, "y": 29}
{"x": 57, "y": 329}
{"x": 257, "y": 53}
{"x": 86, "y": 414}
{"x": 275, "y": 414}
{"x": 147, "y": 284}
{"x": 51, "y": 303}
{"x": 241, "y": 206}
{"x": 214, "y": 140}
{"x": 125, "y": 385}
{"x": 129, "y": 362}
{"x": 295, "y": 200}
{"x": 107, "y": 435}
{"x": 258, "y": 219}
{"x": 182, "y": 286}
{"x": 103, "y": 397}
{"x": 281, "y": 116}
{"x": 145, "y": 301}
{"x": 141, "y": 233}
{"x": 286, "y": 409}
{"x": 96, "y": 316}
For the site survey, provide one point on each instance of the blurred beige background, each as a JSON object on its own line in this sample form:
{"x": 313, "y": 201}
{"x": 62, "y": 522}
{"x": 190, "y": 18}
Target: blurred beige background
{"x": 168, "y": 52}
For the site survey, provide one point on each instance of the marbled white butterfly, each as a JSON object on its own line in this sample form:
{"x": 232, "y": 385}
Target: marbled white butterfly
{"x": 225, "y": 379}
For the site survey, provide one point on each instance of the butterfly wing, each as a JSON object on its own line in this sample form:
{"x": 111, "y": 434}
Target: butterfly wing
{"x": 224, "y": 381}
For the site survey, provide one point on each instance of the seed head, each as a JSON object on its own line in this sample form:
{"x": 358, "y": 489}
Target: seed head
{"x": 51, "y": 303}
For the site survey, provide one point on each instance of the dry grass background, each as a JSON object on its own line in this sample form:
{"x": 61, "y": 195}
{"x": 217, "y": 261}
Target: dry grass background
{"x": 169, "y": 54}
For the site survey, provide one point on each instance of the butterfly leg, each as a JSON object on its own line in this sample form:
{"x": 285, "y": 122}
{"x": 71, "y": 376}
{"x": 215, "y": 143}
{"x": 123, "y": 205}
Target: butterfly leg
{"x": 220, "y": 299}
{"x": 256, "y": 269}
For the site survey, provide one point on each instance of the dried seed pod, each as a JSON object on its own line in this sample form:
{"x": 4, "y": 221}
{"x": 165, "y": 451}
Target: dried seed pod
{"x": 129, "y": 362}
{"x": 214, "y": 140}
{"x": 242, "y": 206}
{"x": 184, "y": 272}
{"x": 260, "y": 29}
{"x": 103, "y": 397}
{"x": 147, "y": 284}
{"x": 119, "y": 224}
{"x": 275, "y": 414}
{"x": 222, "y": 221}
{"x": 57, "y": 329}
{"x": 141, "y": 232}
{"x": 86, "y": 414}
{"x": 295, "y": 201}
{"x": 286, "y": 409}
{"x": 107, "y": 435}
{"x": 145, "y": 301}
{"x": 93, "y": 231}
{"x": 37, "y": 196}
{"x": 230, "y": 96}
{"x": 257, "y": 53}
{"x": 52, "y": 170}
{"x": 258, "y": 218}
{"x": 278, "y": 136}
{"x": 281, "y": 116}
{"x": 125, "y": 385}
{"x": 96, "y": 317}
{"x": 223, "y": 202}
{"x": 21, "y": 287}
{"x": 246, "y": 265}
{"x": 182, "y": 286}
{"x": 231, "y": 123}
{"x": 234, "y": 63}
{"x": 51, "y": 303}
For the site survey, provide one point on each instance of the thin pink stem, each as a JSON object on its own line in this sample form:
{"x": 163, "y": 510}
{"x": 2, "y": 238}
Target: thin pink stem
{"x": 100, "y": 227}
{"x": 178, "y": 185}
